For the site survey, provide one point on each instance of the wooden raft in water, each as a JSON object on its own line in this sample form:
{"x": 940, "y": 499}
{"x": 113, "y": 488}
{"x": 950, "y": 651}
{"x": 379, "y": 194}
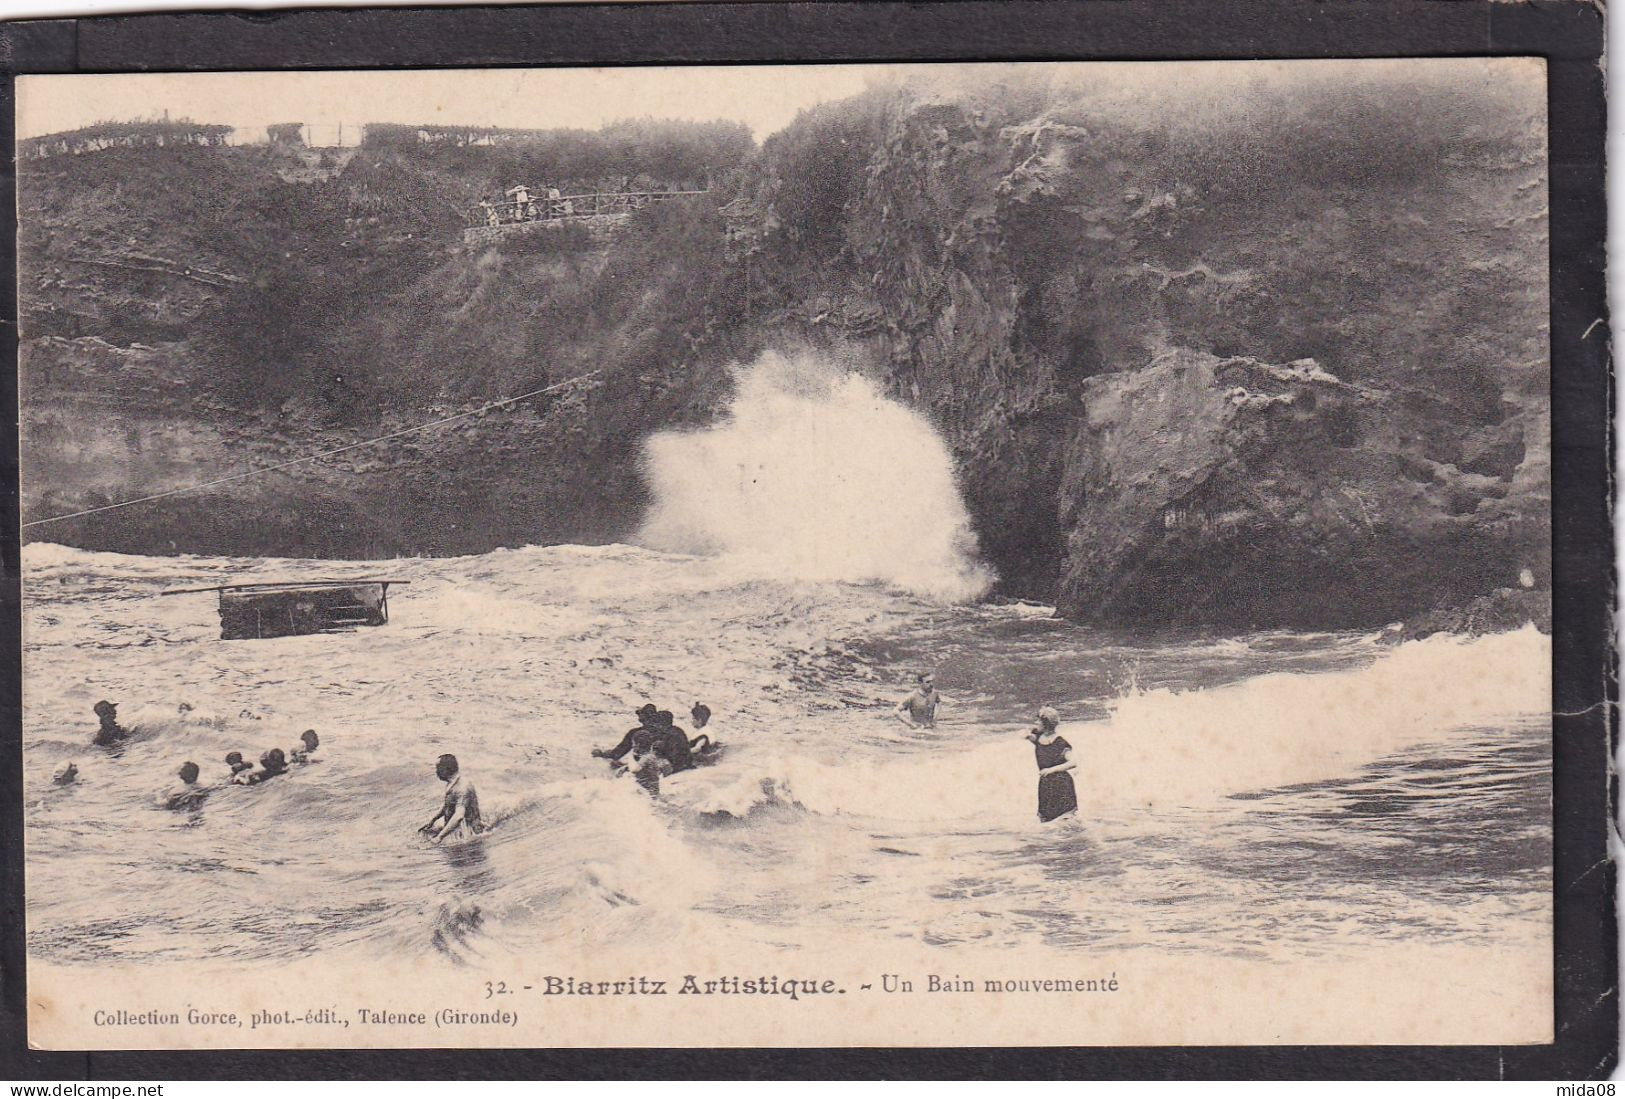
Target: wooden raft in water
{"x": 290, "y": 609}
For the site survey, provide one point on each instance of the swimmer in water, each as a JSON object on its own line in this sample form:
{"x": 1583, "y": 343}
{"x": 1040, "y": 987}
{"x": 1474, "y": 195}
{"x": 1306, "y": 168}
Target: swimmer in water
{"x": 272, "y": 764}
{"x": 671, "y": 742}
{"x": 701, "y": 713}
{"x": 66, "y": 775}
{"x": 461, "y": 809}
{"x": 641, "y": 736}
{"x": 919, "y": 709}
{"x": 189, "y": 795}
{"x": 111, "y": 732}
{"x": 310, "y": 741}
{"x": 237, "y": 763}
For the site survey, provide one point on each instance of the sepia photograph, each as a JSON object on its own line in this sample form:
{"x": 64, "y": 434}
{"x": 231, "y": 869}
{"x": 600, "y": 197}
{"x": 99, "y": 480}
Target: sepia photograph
{"x": 997, "y": 554}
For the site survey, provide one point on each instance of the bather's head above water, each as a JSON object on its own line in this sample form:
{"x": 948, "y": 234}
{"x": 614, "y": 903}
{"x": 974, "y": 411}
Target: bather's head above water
{"x": 111, "y": 732}
{"x": 445, "y": 768}
{"x": 188, "y": 772}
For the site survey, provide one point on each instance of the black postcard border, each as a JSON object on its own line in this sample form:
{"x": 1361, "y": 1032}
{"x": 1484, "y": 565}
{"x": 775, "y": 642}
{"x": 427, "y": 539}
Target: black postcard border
{"x": 1567, "y": 33}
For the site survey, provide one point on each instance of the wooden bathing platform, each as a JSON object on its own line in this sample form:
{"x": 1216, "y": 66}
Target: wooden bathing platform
{"x": 295, "y": 608}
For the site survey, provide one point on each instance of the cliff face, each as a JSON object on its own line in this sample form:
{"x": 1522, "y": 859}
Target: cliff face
{"x": 1202, "y": 489}
{"x": 188, "y": 313}
{"x": 1088, "y": 293}
{"x": 1275, "y": 357}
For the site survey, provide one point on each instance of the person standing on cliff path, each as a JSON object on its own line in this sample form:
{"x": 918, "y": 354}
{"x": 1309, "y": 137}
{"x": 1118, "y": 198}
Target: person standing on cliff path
{"x": 1057, "y": 796}
{"x": 919, "y": 709}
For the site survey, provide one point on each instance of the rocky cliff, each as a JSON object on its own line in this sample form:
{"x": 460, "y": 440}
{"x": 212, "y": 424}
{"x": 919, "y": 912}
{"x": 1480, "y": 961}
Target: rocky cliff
{"x": 1202, "y": 489}
{"x": 1274, "y": 360}
{"x": 1272, "y": 357}
{"x": 188, "y": 313}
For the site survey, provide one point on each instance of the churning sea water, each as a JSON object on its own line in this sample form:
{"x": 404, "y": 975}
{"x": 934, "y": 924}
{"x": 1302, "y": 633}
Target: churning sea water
{"x": 1279, "y": 795}
{"x": 1258, "y": 794}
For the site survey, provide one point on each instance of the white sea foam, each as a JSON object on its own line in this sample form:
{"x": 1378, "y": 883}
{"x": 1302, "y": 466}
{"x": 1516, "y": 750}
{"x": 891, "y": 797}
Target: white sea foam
{"x": 1162, "y": 748}
{"x": 816, "y": 475}
{"x": 1167, "y": 747}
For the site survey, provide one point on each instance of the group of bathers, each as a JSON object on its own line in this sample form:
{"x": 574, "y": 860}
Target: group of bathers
{"x": 191, "y": 792}
{"x": 657, "y": 746}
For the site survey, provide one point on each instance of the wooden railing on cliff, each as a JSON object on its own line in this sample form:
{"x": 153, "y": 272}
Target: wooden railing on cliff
{"x": 567, "y": 207}
{"x": 599, "y": 210}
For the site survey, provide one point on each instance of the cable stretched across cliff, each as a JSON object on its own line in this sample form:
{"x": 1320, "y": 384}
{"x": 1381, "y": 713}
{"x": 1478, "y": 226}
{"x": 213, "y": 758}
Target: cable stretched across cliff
{"x": 318, "y": 456}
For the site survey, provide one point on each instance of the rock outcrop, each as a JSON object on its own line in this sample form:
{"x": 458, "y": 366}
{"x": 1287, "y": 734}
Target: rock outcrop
{"x": 1202, "y": 489}
{"x": 1236, "y": 368}
{"x": 1272, "y": 358}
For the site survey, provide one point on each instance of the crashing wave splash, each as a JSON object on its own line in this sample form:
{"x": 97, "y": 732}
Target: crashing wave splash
{"x": 816, "y": 475}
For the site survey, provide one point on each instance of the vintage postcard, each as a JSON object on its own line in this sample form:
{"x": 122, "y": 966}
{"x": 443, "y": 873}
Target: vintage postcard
{"x": 908, "y": 555}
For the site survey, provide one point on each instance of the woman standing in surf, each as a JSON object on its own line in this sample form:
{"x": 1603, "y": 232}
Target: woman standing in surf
{"x": 1057, "y": 797}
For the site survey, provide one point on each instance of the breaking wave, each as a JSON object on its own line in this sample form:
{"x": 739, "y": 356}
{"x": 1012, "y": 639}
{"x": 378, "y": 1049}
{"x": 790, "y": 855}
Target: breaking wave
{"x": 1162, "y": 748}
{"x": 816, "y": 475}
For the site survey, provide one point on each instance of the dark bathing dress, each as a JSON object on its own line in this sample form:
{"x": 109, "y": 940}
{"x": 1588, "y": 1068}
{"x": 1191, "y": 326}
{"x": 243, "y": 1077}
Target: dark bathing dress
{"x": 1056, "y": 794}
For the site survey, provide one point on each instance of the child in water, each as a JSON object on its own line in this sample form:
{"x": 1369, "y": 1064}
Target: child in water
{"x": 701, "y": 742}
{"x": 309, "y": 740}
{"x": 648, "y": 767}
{"x": 237, "y": 763}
